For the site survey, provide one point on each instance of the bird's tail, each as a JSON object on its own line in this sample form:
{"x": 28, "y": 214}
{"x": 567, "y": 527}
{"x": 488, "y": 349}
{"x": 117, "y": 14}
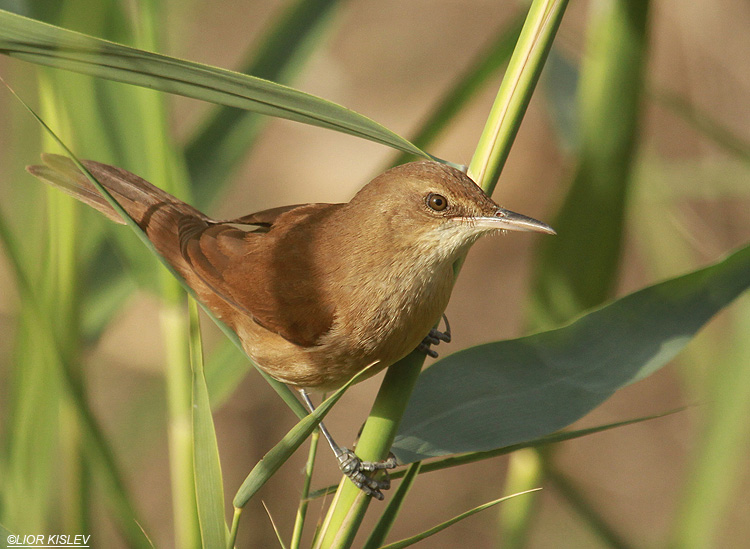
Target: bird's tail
{"x": 137, "y": 196}
{"x": 161, "y": 216}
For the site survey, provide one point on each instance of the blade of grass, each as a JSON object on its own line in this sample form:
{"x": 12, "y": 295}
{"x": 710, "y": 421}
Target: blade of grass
{"x": 5, "y": 534}
{"x": 232, "y": 538}
{"x": 62, "y": 295}
{"x": 350, "y": 504}
{"x": 163, "y": 164}
{"x": 472, "y": 457}
{"x": 299, "y": 521}
{"x": 33, "y": 429}
{"x": 282, "y": 451}
{"x": 385, "y": 522}
{"x": 717, "y": 457}
{"x": 45, "y": 44}
{"x": 440, "y": 527}
{"x": 227, "y": 135}
{"x": 720, "y": 455}
{"x": 526, "y": 468}
{"x": 209, "y": 486}
{"x": 273, "y": 525}
{"x": 37, "y": 392}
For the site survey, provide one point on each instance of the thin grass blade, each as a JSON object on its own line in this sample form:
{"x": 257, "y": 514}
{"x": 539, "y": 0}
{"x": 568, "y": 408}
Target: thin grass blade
{"x": 280, "y": 453}
{"x": 392, "y": 510}
{"x": 102, "y": 452}
{"x": 209, "y": 485}
{"x": 5, "y": 534}
{"x": 275, "y": 528}
{"x": 440, "y": 527}
{"x": 304, "y": 501}
{"x": 45, "y": 44}
{"x": 472, "y": 457}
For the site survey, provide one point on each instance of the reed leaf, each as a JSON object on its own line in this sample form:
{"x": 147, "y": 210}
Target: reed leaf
{"x": 209, "y": 486}
{"x": 502, "y": 393}
{"x": 45, "y": 44}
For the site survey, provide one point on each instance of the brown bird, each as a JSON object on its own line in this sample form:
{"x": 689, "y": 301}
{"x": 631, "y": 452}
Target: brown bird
{"x": 317, "y": 292}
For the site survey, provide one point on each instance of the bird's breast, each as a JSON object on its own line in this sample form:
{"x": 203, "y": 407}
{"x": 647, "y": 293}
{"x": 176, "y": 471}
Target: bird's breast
{"x": 383, "y": 313}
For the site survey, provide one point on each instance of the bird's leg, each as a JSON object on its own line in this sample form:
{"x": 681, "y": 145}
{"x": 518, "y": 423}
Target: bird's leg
{"x": 352, "y": 466}
{"x": 434, "y": 338}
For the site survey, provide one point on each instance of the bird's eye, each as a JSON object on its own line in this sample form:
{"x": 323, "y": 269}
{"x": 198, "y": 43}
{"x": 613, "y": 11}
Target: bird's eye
{"x": 437, "y": 202}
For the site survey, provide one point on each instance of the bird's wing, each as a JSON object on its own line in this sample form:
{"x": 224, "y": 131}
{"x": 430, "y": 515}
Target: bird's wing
{"x": 271, "y": 275}
{"x": 265, "y": 218}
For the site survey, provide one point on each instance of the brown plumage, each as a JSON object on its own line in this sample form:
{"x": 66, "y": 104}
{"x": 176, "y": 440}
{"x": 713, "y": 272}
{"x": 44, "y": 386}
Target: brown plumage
{"x": 315, "y": 292}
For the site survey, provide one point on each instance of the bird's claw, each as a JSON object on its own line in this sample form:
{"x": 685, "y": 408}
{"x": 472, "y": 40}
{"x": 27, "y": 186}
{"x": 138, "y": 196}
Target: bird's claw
{"x": 434, "y": 338}
{"x": 354, "y": 469}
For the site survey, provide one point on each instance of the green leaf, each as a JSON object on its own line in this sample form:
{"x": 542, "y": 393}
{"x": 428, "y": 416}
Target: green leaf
{"x": 225, "y": 138}
{"x": 392, "y": 510}
{"x": 45, "y": 44}
{"x": 278, "y": 455}
{"x": 209, "y": 486}
{"x": 507, "y": 392}
{"x": 472, "y": 457}
{"x": 432, "y": 531}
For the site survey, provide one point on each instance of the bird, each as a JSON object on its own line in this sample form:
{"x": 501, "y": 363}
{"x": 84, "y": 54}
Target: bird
{"x": 317, "y": 293}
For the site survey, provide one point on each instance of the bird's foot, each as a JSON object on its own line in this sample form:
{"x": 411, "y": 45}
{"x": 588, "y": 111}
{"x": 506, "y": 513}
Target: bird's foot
{"x": 354, "y": 469}
{"x": 434, "y": 338}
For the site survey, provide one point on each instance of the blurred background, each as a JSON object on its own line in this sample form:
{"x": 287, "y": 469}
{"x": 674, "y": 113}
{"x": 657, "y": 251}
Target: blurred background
{"x": 687, "y": 205}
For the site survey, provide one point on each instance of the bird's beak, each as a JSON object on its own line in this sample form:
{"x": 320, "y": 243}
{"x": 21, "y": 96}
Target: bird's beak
{"x": 512, "y": 221}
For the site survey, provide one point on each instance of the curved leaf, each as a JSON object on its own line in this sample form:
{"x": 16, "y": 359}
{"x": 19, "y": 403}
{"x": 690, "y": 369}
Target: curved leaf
{"x": 442, "y": 526}
{"x": 45, "y": 44}
{"x": 209, "y": 486}
{"x": 506, "y": 392}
